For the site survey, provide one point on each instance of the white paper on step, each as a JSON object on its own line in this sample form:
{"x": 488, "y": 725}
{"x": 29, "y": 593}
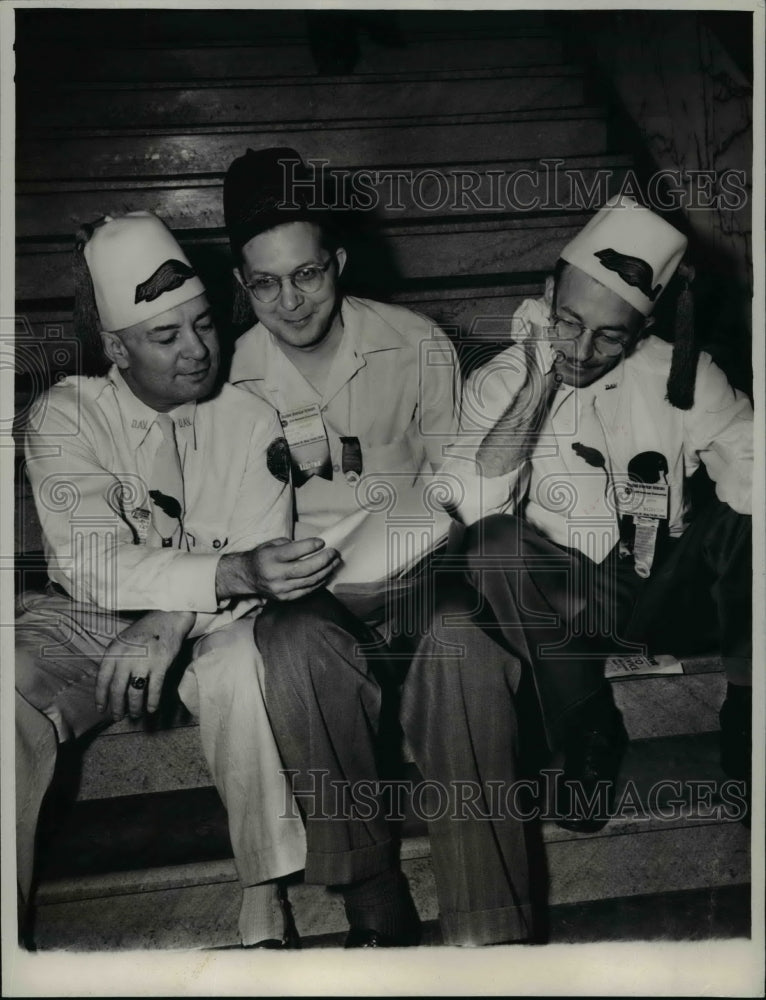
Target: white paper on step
{"x": 636, "y": 666}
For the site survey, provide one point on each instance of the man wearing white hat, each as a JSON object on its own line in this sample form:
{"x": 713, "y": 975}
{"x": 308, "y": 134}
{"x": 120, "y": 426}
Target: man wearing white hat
{"x": 576, "y": 445}
{"x": 166, "y": 514}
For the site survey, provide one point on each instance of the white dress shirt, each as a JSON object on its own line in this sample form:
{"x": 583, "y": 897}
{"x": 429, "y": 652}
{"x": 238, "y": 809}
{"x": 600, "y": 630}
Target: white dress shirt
{"x": 395, "y": 385}
{"x": 90, "y": 446}
{"x": 626, "y": 409}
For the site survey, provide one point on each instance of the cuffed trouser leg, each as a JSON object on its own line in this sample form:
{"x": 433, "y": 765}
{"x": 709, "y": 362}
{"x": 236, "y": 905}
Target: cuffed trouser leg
{"x": 560, "y": 613}
{"x": 324, "y": 705}
{"x": 221, "y": 687}
{"x": 459, "y": 718}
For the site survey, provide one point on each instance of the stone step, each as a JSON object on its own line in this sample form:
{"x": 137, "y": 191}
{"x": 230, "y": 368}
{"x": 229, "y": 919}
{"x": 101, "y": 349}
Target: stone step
{"x": 171, "y": 759}
{"x": 204, "y": 917}
{"x": 195, "y": 904}
{"x": 393, "y": 194}
{"x": 209, "y": 149}
{"x": 292, "y": 57}
{"x": 297, "y": 99}
{"x": 126, "y": 28}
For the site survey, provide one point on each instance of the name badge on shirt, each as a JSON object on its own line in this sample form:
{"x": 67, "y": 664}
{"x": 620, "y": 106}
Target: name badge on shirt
{"x": 647, "y": 499}
{"x": 649, "y": 505}
{"x": 306, "y": 438}
{"x": 141, "y": 520}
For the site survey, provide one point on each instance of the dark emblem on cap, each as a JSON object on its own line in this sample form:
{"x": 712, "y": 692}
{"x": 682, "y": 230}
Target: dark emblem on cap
{"x": 168, "y": 276}
{"x": 633, "y": 271}
{"x": 278, "y": 460}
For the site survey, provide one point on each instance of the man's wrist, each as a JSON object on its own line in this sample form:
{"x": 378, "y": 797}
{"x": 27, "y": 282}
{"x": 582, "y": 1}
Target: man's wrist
{"x": 233, "y": 577}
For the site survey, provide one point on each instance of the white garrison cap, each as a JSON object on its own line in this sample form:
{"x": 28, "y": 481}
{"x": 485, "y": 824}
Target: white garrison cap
{"x": 138, "y": 270}
{"x": 630, "y": 250}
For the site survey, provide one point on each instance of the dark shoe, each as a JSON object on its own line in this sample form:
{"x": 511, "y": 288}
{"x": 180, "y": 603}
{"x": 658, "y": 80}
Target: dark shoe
{"x": 362, "y": 937}
{"x": 585, "y": 797}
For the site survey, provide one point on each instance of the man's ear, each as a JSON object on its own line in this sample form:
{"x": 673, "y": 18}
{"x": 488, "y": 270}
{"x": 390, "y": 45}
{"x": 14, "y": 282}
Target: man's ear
{"x": 548, "y": 293}
{"x": 341, "y": 257}
{"x": 115, "y": 350}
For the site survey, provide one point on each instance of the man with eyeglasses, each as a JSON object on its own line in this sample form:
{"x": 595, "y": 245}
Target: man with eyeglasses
{"x": 576, "y": 447}
{"x": 368, "y": 396}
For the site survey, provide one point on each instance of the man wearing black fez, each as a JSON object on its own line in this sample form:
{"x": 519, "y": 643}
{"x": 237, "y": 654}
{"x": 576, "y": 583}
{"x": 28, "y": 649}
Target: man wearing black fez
{"x": 368, "y": 396}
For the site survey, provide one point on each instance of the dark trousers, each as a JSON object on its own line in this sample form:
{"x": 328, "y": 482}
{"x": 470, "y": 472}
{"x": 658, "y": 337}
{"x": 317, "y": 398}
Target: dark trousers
{"x": 329, "y": 679}
{"x": 562, "y": 614}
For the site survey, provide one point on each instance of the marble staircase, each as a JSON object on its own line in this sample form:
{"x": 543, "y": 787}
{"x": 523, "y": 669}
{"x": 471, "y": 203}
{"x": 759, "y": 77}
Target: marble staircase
{"x": 143, "y": 858}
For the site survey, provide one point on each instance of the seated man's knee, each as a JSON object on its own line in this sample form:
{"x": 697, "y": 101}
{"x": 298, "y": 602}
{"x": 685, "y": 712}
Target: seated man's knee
{"x": 494, "y": 534}
{"x": 299, "y": 624}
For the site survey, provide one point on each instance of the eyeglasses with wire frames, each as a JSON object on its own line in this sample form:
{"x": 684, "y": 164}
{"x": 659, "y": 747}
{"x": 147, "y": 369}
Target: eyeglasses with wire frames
{"x": 604, "y": 342}
{"x": 309, "y": 278}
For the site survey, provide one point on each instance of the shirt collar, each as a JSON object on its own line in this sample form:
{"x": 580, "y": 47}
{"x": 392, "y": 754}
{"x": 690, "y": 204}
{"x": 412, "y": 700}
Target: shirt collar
{"x": 365, "y": 331}
{"x": 138, "y": 418}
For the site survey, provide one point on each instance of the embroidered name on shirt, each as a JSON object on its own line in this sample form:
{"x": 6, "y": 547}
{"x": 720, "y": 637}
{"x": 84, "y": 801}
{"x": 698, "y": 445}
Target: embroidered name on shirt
{"x": 612, "y": 385}
{"x": 139, "y": 424}
{"x": 184, "y": 422}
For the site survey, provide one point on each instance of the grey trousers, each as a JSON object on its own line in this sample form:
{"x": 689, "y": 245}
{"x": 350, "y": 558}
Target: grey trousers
{"x": 328, "y": 681}
{"x": 562, "y": 614}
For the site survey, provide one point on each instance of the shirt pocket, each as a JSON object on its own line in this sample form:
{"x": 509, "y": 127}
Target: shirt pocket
{"x": 401, "y": 458}
{"x": 211, "y": 537}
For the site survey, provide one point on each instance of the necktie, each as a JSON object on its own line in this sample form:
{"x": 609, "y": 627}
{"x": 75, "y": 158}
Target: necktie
{"x": 166, "y": 488}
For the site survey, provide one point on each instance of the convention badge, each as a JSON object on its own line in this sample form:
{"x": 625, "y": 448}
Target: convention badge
{"x": 644, "y": 543}
{"x": 278, "y": 460}
{"x": 351, "y": 459}
{"x": 307, "y": 440}
{"x": 647, "y": 499}
{"x": 141, "y": 520}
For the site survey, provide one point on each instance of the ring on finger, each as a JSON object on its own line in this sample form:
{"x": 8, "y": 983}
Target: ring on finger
{"x": 139, "y": 683}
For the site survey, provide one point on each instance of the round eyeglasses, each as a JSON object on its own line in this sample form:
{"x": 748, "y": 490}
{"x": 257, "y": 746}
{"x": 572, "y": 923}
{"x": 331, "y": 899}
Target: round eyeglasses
{"x": 605, "y": 343}
{"x": 308, "y": 279}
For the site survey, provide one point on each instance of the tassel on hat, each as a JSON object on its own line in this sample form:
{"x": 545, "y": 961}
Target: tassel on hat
{"x": 683, "y": 366}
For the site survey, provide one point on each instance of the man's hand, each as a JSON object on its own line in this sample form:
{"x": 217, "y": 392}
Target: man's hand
{"x": 279, "y": 569}
{"x": 514, "y": 437}
{"x": 141, "y": 652}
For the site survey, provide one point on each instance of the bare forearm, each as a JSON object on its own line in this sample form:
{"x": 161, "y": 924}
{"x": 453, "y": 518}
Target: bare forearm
{"x": 233, "y": 576}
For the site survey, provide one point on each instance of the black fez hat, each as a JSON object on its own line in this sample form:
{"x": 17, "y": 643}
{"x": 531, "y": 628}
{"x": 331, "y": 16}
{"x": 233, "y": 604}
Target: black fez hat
{"x": 266, "y": 188}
